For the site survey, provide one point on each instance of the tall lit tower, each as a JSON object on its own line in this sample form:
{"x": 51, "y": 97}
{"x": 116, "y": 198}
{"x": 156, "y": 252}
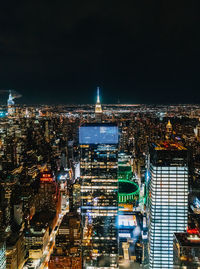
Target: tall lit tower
{"x": 46, "y": 133}
{"x": 168, "y": 130}
{"x": 99, "y": 194}
{"x": 168, "y": 197}
{"x": 11, "y": 103}
{"x": 7, "y": 185}
{"x": 2, "y": 255}
{"x": 98, "y": 108}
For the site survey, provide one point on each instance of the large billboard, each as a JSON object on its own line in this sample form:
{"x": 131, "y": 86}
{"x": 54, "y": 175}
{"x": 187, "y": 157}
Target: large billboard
{"x": 98, "y": 135}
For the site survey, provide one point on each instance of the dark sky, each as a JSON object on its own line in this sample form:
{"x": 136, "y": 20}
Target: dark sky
{"x": 137, "y": 51}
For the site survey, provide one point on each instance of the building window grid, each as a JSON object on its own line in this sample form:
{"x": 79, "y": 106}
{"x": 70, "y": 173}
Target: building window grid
{"x": 159, "y": 180}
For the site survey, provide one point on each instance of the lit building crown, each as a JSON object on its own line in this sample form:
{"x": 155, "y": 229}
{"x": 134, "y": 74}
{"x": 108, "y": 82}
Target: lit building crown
{"x": 98, "y": 108}
{"x": 168, "y": 130}
{"x": 10, "y": 100}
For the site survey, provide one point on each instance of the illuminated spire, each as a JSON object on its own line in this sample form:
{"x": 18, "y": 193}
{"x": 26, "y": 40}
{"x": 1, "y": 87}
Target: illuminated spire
{"x": 98, "y": 108}
{"x": 169, "y": 125}
{"x": 168, "y": 130}
{"x": 10, "y": 99}
{"x": 10, "y": 104}
{"x": 98, "y": 98}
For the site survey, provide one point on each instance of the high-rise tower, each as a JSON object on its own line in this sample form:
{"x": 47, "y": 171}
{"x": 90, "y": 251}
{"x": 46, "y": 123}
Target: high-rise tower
{"x": 2, "y": 255}
{"x": 168, "y": 130}
{"x": 99, "y": 194}
{"x": 46, "y": 132}
{"x": 98, "y": 108}
{"x": 168, "y": 197}
{"x": 7, "y": 185}
{"x": 11, "y": 103}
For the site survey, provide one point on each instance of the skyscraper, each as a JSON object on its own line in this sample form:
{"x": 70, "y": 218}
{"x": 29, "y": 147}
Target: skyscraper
{"x": 2, "y": 255}
{"x": 6, "y": 188}
{"x": 11, "y": 104}
{"x": 187, "y": 250}
{"x": 168, "y": 130}
{"x": 99, "y": 192}
{"x": 168, "y": 196}
{"x": 98, "y": 108}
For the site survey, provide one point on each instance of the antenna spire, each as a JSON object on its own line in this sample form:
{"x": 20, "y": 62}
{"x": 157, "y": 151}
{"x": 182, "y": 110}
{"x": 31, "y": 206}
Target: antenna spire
{"x": 98, "y": 97}
{"x": 98, "y": 108}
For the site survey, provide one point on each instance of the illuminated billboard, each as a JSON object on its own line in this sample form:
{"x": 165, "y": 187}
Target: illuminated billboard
{"x": 127, "y": 220}
{"x": 98, "y": 134}
{"x": 46, "y": 177}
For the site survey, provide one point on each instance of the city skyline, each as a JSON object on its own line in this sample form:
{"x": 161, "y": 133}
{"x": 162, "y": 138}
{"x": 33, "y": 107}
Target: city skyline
{"x": 99, "y": 135}
{"x": 93, "y": 186}
{"x": 4, "y": 93}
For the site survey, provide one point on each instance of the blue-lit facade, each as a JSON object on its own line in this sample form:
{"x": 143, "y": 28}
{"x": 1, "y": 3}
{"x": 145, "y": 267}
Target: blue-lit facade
{"x": 2, "y": 255}
{"x": 168, "y": 197}
{"x": 98, "y": 134}
{"x": 11, "y": 104}
{"x": 99, "y": 191}
{"x": 3, "y": 114}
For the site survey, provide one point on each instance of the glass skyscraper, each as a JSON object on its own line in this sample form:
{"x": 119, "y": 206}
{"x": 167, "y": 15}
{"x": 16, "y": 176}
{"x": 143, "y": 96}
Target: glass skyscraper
{"x": 168, "y": 197}
{"x": 2, "y": 255}
{"x": 99, "y": 194}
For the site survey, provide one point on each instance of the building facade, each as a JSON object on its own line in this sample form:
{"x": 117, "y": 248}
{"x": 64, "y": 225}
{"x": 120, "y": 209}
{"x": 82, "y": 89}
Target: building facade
{"x": 186, "y": 250}
{"x": 15, "y": 251}
{"x": 2, "y": 255}
{"x": 99, "y": 195}
{"x": 11, "y": 103}
{"x": 168, "y": 197}
{"x": 37, "y": 236}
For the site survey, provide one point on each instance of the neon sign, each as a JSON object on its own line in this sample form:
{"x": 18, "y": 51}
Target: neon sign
{"x": 46, "y": 177}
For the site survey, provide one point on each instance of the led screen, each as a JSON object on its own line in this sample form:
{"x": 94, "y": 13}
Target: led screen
{"x": 98, "y": 135}
{"x": 127, "y": 220}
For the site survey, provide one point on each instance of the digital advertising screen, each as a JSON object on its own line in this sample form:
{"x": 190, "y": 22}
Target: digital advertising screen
{"x": 98, "y": 135}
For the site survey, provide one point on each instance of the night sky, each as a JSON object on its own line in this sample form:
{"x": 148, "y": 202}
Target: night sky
{"x": 137, "y": 51}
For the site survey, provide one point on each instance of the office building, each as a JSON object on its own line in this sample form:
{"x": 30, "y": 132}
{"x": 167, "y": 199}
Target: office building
{"x": 168, "y": 197}
{"x": 18, "y": 213}
{"x": 2, "y": 255}
{"x": 7, "y": 185}
{"x": 69, "y": 235}
{"x": 15, "y": 251}
{"x": 49, "y": 193}
{"x": 64, "y": 262}
{"x": 37, "y": 236}
{"x": 10, "y": 104}
{"x": 67, "y": 250}
{"x": 99, "y": 193}
{"x": 186, "y": 250}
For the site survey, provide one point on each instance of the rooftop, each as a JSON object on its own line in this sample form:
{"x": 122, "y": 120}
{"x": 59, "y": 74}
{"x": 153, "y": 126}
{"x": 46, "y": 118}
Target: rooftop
{"x": 127, "y": 187}
{"x": 168, "y": 145}
{"x": 93, "y": 124}
{"x": 188, "y": 240}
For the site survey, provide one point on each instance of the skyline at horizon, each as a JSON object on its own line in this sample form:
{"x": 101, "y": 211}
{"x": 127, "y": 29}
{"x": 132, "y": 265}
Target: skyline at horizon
{"x": 20, "y": 100}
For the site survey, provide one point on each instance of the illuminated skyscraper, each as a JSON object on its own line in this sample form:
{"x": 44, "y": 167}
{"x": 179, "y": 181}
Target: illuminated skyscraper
{"x": 168, "y": 195}
{"x": 98, "y": 108}
{"x": 187, "y": 250}
{"x": 99, "y": 192}
{"x": 11, "y": 103}
{"x": 168, "y": 130}
{"x": 2, "y": 255}
{"x": 49, "y": 193}
{"x": 7, "y": 185}
{"x": 46, "y": 132}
